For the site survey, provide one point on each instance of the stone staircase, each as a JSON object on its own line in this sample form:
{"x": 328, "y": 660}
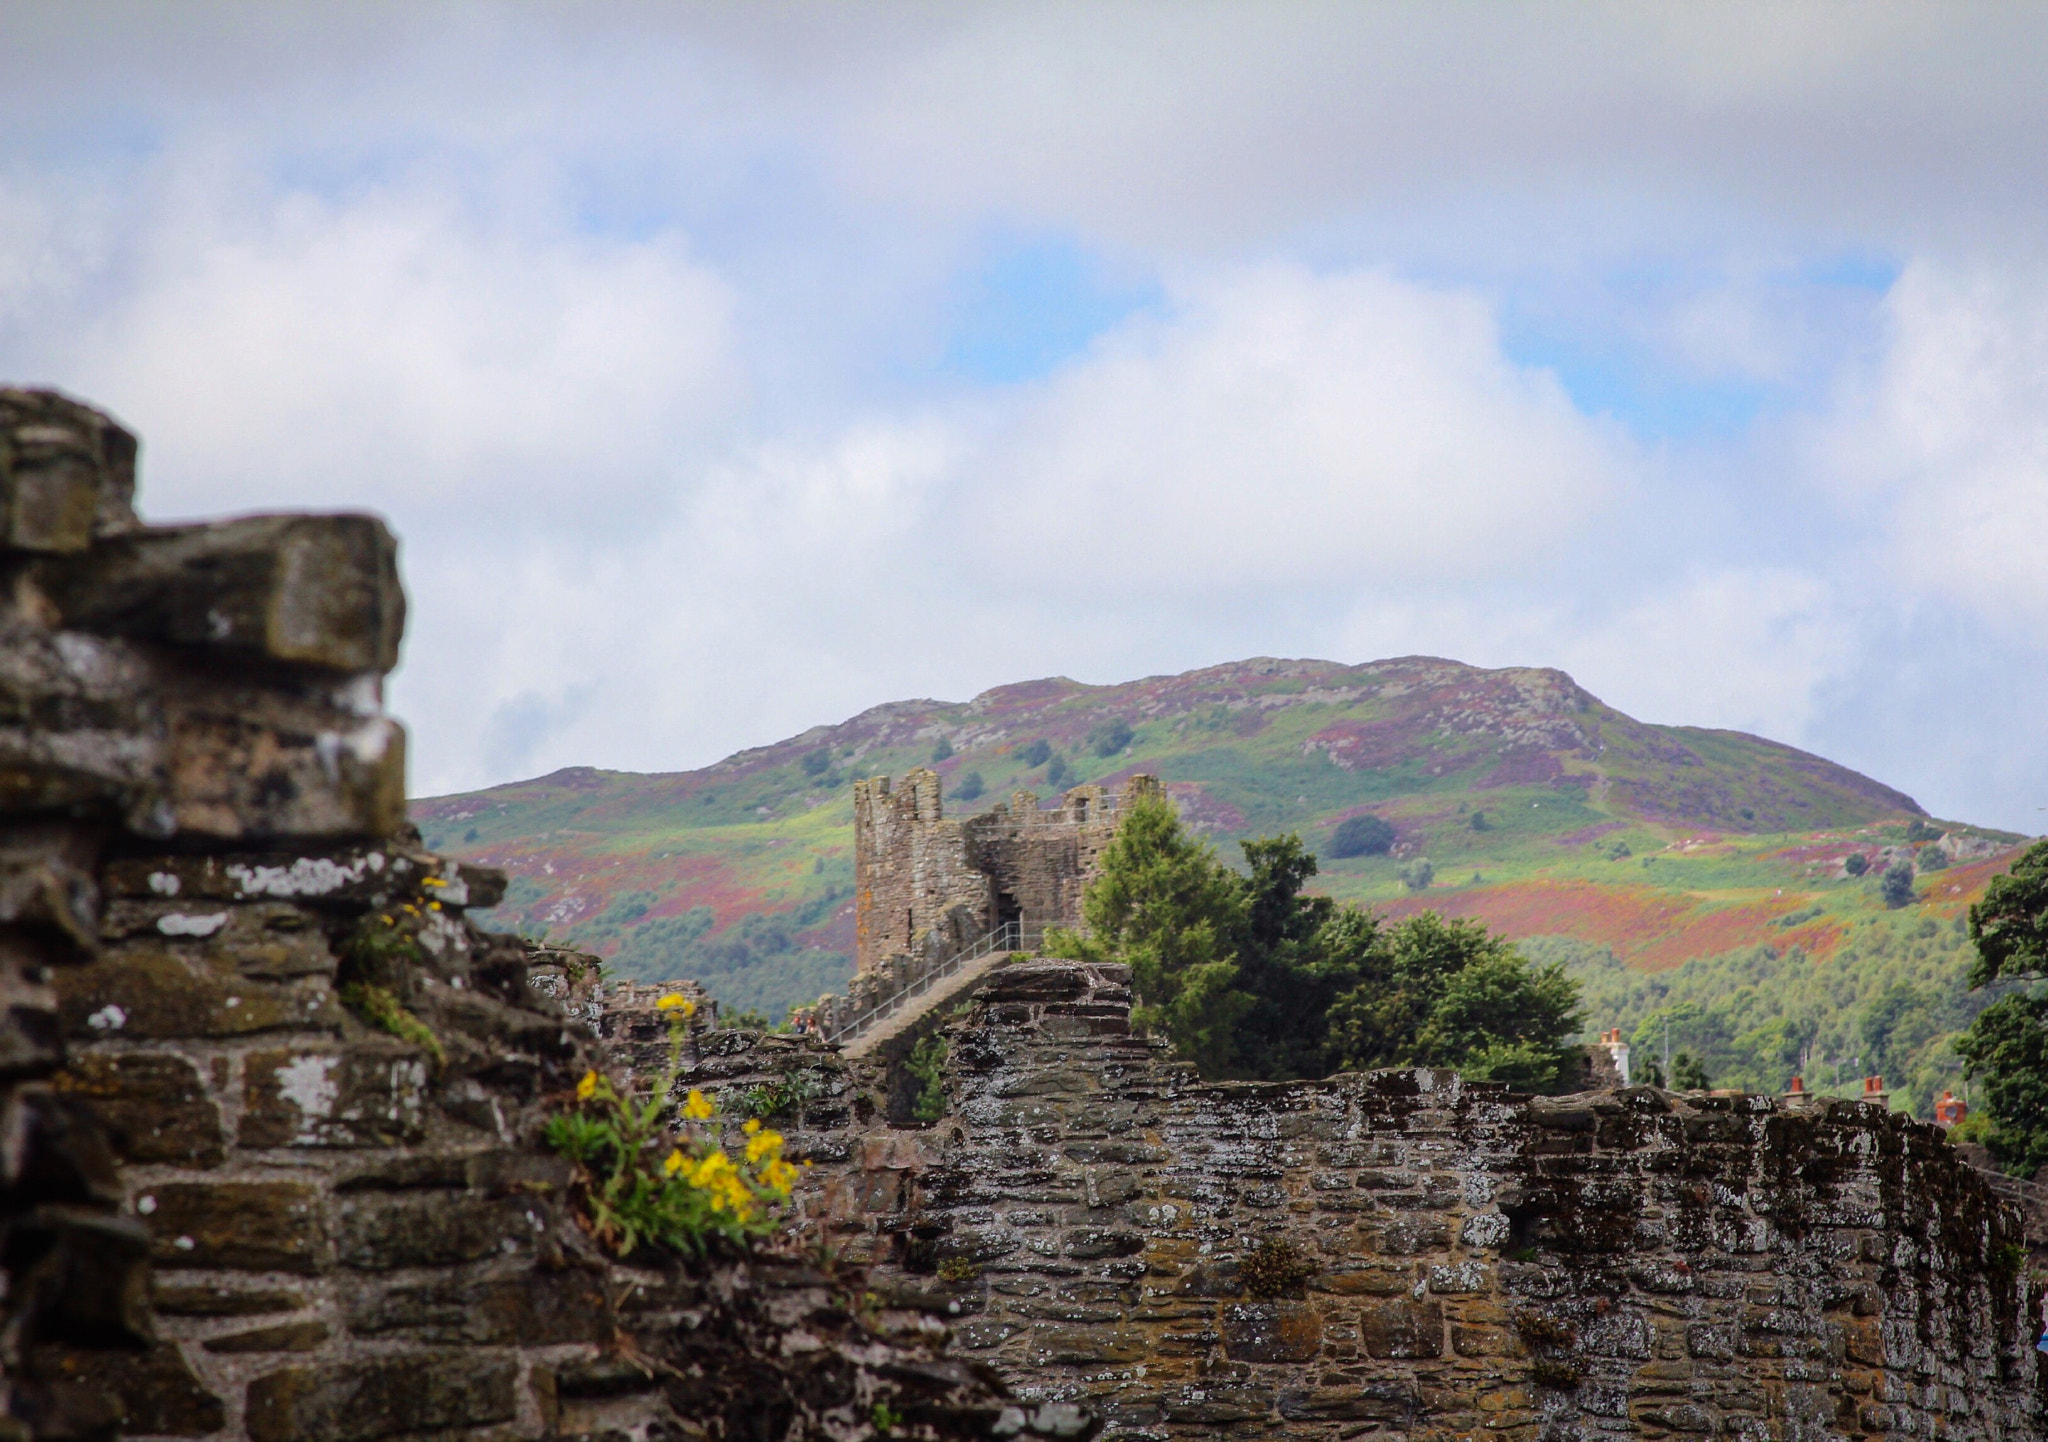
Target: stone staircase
{"x": 950, "y": 980}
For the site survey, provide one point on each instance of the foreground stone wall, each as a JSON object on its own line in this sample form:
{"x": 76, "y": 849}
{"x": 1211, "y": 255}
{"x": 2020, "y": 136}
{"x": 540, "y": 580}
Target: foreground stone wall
{"x": 1441, "y": 1259}
{"x": 270, "y": 1105}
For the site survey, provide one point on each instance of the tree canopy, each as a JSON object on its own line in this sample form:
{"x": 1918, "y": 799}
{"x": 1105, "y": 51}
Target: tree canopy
{"x": 1251, "y": 978}
{"x": 2007, "y": 1046}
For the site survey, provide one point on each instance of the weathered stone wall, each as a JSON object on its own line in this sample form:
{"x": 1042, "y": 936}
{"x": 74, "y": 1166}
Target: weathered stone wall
{"x": 924, "y": 883}
{"x": 1472, "y": 1264}
{"x": 270, "y": 1106}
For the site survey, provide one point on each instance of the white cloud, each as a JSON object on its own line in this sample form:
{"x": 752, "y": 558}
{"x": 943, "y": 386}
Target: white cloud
{"x": 1942, "y": 445}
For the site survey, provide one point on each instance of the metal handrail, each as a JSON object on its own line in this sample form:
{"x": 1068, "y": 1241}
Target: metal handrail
{"x": 1009, "y": 936}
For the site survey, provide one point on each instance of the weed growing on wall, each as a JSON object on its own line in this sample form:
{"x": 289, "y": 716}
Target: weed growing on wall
{"x": 643, "y": 1183}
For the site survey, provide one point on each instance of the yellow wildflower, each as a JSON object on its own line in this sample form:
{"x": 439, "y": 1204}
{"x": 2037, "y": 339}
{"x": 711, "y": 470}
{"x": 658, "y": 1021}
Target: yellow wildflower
{"x": 697, "y": 1107}
{"x": 763, "y": 1145}
{"x": 708, "y": 1172}
{"x": 432, "y": 881}
{"x": 674, "y": 1163}
{"x": 587, "y": 1088}
{"x": 435, "y": 905}
{"x": 779, "y": 1177}
{"x": 753, "y": 1125}
{"x": 673, "y": 1000}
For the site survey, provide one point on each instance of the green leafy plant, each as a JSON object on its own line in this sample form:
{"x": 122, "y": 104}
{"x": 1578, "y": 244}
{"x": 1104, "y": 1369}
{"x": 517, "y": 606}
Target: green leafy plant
{"x": 1274, "y": 1268}
{"x": 886, "y": 1418}
{"x": 785, "y": 1096}
{"x": 927, "y": 1062}
{"x": 382, "y": 1009}
{"x": 642, "y": 1182}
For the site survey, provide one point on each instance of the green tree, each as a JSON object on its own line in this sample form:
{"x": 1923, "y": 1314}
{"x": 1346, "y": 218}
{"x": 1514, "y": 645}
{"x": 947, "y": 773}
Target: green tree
{"x": 1110, "y": 737}
{"x": 1056, "y": 771}
{"x": 943, "y": 750}
{"x": 1166, "y": 907}
{"x": 969, "y": 787}
{"x": 1418, "y": 874}
{"x": 1897, "y": 886}
{"x": 2007, "y": 1046}
{"x": 1855, "y": 863}
{"x": 1249, "y": 976}
{"x": 1450, "y": 993}
{"x": 1687, "y": 1074}
{"x": 1036, "y": 753}
{"x": 1362, "y": 835}
{"x": 818, "y": 762}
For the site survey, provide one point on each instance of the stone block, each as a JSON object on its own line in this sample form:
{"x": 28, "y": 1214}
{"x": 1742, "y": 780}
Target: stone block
{"x": 206, "y": 1300}
{"x": 67, "y": 473}
{"x": 1402, "y": 1329}
{"x": 149, "y": 990}
{"x": 312, "y": 590}
{"x": 1272, "y": 1332}
{"x": 284, "y": 1337}
{"x": 156, "y": 1391}
{"x": 236, "y": 1226}
{"x": 154, "y": 1105}
{"x": 361, "y": 1401}
{"x": 1096, "y": 1243}
{"x": 1374, "y": 1402}
{"x": 378, "y": 1232}
{"x": 236, "y": 775}
{"x": 529, "y": 1309}
{"x": 369, "y": 1094}
{"x": 1091, "y": 1346}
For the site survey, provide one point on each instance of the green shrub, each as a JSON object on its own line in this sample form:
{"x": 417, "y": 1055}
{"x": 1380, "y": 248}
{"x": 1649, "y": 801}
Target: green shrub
{"x": 1110, "y": 737}
{"x": 1417, "y": 874}
{"x": 381, "y": 1008}
{"x": 1362, "y": 835}
{"x": 969, "y": 787}
{"x": 1855, "y": 863}
{"x": 818, "y": 762}
{"x": 1037, "y": 752}
{"x": 942, "y": 751}
{"x": 1056, "y": 771}
{"x": 927, "y": 1062}
{"x": 1897, "y": 886}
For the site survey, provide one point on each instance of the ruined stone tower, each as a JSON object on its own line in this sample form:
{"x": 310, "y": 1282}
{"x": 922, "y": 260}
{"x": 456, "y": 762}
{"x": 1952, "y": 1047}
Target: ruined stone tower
{"x": 926, "y": 884}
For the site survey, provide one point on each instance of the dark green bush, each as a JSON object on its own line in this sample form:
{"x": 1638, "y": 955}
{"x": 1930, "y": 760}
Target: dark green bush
{"x": 1362, "y": 835}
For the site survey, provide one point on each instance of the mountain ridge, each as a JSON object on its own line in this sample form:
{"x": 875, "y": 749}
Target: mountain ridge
{"x": 1519, "y": 778}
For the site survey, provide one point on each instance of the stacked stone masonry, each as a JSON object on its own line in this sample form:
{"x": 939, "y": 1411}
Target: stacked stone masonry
{"x": 270, "y": 1105}
{"x": 1440, "y": 1260}
{"x": 926, "y": 884}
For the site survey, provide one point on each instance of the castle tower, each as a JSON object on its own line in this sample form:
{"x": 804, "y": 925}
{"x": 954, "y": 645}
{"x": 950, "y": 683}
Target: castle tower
{"x": 926, "y": 883}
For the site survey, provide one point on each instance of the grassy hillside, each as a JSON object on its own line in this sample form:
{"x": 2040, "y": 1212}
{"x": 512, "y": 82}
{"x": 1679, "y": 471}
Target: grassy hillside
{"x": 1539, "y": 809}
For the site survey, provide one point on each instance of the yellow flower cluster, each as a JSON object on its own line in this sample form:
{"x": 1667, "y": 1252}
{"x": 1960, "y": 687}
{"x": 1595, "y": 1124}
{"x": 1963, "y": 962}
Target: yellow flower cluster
{"x": 697, "y": 1107}
{"x": 676, "y": 1001}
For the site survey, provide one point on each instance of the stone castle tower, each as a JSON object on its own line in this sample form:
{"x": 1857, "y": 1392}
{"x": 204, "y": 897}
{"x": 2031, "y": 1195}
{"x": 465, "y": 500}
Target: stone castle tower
{"x": 926, "y": 884}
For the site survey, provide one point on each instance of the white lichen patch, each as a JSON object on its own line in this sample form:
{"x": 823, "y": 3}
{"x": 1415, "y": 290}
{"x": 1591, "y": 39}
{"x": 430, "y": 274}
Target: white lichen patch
{"x": 308, "y": 1083}
{"x": 179, "y": 923}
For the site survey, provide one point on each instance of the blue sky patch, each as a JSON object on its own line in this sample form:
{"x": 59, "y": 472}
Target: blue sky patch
{"x": 1034, "y": 305}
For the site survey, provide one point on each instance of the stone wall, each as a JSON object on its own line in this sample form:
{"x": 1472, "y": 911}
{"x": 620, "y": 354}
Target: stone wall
{"x": 270, "y": 1105}
{"x": 1403, "y": 1254}
{"x": 925, "y": 884}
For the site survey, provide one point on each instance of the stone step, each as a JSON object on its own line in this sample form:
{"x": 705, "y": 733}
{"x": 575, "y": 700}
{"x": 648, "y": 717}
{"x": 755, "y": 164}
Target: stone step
{"x": 951, "y": 989}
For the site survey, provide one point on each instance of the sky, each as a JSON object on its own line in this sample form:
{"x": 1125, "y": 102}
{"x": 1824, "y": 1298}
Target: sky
{"x": 727, "y": 370}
